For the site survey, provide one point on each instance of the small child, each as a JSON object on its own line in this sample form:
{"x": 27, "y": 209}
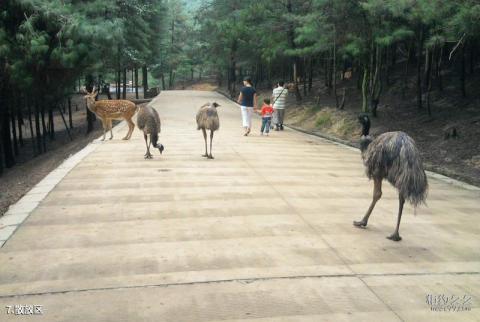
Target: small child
{"x": 266, "y": 112}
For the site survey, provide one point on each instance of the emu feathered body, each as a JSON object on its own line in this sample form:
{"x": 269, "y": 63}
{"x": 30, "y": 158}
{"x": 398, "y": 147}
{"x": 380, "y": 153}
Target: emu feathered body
{"x": 394, "y": 156}
{"x": 148, "y": 121}
{"x": 207, "y": 117}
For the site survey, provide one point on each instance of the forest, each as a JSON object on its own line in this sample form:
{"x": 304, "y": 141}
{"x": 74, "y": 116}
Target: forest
{"x": 51, "y": 48}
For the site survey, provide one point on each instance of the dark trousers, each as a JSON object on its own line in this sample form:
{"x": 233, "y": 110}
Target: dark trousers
{"x": 266, "y": 121}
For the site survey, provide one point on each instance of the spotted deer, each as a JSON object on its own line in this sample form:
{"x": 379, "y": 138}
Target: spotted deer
{"x": 108, "y": 110}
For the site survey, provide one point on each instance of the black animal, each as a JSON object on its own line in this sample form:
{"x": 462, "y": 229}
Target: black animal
{"x": 392, "y": 156}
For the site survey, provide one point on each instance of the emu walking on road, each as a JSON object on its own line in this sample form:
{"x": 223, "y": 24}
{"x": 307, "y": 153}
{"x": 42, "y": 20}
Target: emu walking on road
{"x": 149, "y": 122}
{"x": 392, "y": 156}
{"x": 207, "y": 119}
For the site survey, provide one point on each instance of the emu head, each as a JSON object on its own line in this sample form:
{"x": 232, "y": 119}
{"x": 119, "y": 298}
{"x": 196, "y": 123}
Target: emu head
{"x": 365, "y": 122}
{"x": 366, "y": 139}
{"x": 214, "y": 104}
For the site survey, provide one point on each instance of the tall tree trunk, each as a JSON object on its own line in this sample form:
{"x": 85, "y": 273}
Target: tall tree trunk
{"x": 20, "y": 123}
{"x": 428, "y": 76}
{"x": 428, "y": 64}
{"x": 145, "y": 80}
{"x": 377, "y": 81}
{"x": 326, "y": 64}
{"x": 419, "y": 68}
{"x": 52, "y": 124}
{"x": 292, "y": 45}
{"x": 438, "y": 69}
{"x": 407, "y": 64}
{"x": 32, "y": 134}
{"x": 70, "y": 116}
{"x": 6, "y": 138}
{"x": 14, "y": 129}
{"x": 304, "y": 76}
{"x": 462, "y": 71}
{"x": 133, "y": 79}
{"x": 298, "y": 96}
{"x": 472, "y": 57}
{"x": 233, "y": 68}
{"x": 37, "y": 128}
{"x": 334, "y": 69}
{"x": 1, "y": 153}
{"x": 136, "y": 82}
{"x": 117, "y": 92}
{"x": 124, "y": 90}
{"x": 365, "y": 89}
{"x": 44, "y": 126}
{"x": 310, "y": 74}
{"x": 163, "y": 81}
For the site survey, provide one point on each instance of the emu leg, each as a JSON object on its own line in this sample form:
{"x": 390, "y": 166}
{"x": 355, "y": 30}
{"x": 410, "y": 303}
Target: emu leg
{"x": 205, "y": 138}
{"x": 377, "y": 194}
{"x": 148, "y": 155}
{"x": 211, "y": 139}
{"x": 396, "y": 236}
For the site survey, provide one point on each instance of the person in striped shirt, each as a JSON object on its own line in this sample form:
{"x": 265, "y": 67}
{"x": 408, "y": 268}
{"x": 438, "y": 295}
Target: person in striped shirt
{"x": 279, "y": 99}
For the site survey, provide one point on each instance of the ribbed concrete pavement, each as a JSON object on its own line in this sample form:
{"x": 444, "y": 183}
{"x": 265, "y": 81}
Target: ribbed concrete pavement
{"x": 263, "y": 232}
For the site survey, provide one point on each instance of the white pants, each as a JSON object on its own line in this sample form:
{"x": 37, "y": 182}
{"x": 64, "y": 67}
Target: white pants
{"x": 247, "y": 113}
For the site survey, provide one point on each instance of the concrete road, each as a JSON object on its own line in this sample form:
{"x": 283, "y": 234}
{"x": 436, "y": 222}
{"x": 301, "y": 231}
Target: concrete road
{"x": 263, "y": 232}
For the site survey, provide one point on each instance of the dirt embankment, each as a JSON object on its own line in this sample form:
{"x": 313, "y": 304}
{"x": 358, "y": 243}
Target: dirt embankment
{"x": 457, "y": 157}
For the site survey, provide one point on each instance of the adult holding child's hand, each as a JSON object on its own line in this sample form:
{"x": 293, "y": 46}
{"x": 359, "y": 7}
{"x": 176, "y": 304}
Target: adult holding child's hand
{"x": 247, "y": 100}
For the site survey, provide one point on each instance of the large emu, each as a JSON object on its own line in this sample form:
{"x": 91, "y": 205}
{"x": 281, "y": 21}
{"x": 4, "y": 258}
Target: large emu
{"x": 149, "y": 122}
{"x": 392, "y": 156}
{"x": 207, "y": 119}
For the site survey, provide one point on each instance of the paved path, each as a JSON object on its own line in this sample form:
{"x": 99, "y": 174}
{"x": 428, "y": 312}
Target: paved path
{"x": 264, "y": 232}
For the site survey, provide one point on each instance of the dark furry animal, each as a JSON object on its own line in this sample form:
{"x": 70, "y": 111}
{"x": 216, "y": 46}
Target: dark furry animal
{"x": 148, "y": 121}
{"x": 392, "y": 156}
{"x": 207, "y": 119}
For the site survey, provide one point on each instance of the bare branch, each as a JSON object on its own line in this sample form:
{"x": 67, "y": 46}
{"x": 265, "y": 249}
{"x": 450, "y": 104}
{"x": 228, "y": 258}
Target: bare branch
{"x": 456, "y": 46}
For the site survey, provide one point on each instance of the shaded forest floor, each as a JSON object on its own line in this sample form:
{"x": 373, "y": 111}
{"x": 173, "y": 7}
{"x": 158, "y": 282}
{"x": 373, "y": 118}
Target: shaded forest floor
{"x": 455, "y": 157}
{"x": 29, "y": 170}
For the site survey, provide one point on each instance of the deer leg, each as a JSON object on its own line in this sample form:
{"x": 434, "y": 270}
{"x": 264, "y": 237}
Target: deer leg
{"x": 211, "y": 139}
{"x": 110, "y": 128}
{"x": 377, "y": 194}
{"x": 205, "y": 138}
{"x": 130, "y": 130}
{"x": 396, "y": 236}
{"x": 131, "y": 127}
{"x": 104, "y": 125}
{"x": 126, "y": 136}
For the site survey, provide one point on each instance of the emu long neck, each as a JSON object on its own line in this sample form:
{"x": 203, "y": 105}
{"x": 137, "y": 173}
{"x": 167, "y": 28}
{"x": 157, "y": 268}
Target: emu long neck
{"x": 364, "y": 143}
{"x": 366, "y": 139}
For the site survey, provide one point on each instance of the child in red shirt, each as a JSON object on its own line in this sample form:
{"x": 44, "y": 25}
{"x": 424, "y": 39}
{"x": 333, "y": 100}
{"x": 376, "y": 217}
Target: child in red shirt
{"x": 266, "y": 112}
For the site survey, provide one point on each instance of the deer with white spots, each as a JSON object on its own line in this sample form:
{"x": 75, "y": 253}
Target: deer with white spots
{"x": 108, "y": 110}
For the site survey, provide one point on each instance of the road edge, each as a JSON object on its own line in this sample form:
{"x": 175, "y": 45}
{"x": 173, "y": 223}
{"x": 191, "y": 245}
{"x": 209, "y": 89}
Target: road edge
{"x": 351, "y": 146}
